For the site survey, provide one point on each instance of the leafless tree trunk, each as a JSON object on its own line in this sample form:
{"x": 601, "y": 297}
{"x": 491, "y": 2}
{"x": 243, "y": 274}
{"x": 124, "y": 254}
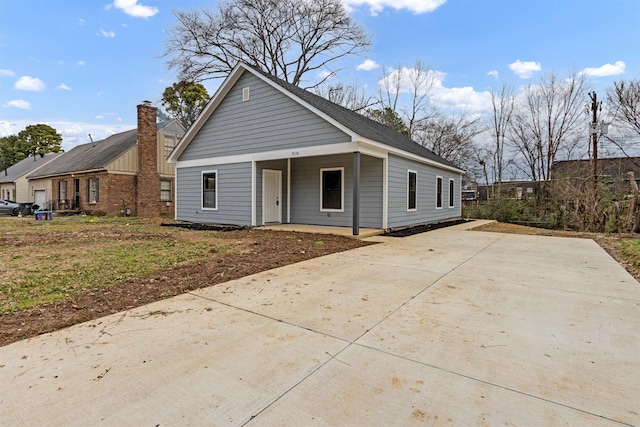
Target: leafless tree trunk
{"x": 546, "y": 118}
{"x": 285, "y": 38}
{"x": 502, "y": 101}
{"x": 634, "y": 209}
{"x": 416, "y": 108}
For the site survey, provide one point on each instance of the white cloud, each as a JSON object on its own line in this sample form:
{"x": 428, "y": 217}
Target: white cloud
{"x": 81, "y": 21}
{"x": 462, "y": 98}
{"x": 415, "y": 6}
{"x": 606, "y": 70}
{"x": 6, "y": 129}
{"x": 6, "y": 73}
{"x": 18, "y": 103}
{"x": 106, "y": 34}
{"x": 29, "y": 83}
{"x": 132, "y": 8}
{"x": 368, "y": 65}
{"x": 63, "y": 86}
{"x": 324, "y": 74}
{"x": 81, "y": 63}
{"x": 456, "y": 98}
{"x": 494, "y": 74}
{"x": 525, "y": 69}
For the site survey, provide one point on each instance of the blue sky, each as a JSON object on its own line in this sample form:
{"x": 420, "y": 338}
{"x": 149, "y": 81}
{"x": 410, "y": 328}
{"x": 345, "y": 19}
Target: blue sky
{"x": 82, "y": 66}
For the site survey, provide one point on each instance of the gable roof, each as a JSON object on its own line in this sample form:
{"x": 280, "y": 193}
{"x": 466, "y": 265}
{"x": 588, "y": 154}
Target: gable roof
{"x": 25, "y": 166}
{"x": 94, "y": 156}
{"x": 90, "y": 156}
{"x": 355, "y": 124}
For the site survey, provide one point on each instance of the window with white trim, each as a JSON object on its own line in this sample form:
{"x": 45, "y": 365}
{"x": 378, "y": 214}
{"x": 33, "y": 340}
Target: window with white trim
{"x": 332, "y": 190}
{"x": 412, "y": 183}
{"x": 93, "y": 186}
{"x": 210, "y": 190}
{"x": 165, "y": 190}
{"x": 451, "y": 193}
{"x": 438, "y": 192}
{"x": 62, "y": 191}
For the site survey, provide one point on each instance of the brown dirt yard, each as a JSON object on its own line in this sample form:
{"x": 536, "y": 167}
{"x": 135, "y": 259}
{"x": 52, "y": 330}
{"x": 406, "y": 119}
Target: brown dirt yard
{"x": 71, "y": 270}
{"x": 57, "y": 274}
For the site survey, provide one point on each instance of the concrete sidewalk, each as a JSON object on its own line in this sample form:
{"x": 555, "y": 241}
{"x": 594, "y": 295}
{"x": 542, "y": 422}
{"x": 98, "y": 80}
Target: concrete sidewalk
{"x": 450, "y": 327}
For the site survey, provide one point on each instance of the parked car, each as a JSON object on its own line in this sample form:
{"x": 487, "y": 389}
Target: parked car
{"x": 7, "y": 207}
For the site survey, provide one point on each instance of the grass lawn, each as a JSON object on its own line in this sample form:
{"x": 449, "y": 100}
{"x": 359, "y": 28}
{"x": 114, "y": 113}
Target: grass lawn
{"x": 47, "y": 261}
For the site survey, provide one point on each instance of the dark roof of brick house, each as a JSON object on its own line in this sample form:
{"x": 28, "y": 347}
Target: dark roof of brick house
{"x": 92, "y": 156}
{"x": 25, "y": 166}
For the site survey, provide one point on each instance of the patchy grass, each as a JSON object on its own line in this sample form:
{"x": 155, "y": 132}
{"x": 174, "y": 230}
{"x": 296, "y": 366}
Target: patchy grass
{"x": 630, "y": 250}
{"x": 54, "y": 274}
{"x": 45, "y": 262}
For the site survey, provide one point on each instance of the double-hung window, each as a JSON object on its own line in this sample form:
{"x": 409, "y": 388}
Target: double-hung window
{"x": 210, "y": 190}
{"x": 93, "y": 186}
{"x": 332, "y": 190}
{"x": 165, "y": 190}
{"x": 451, "y": 188}
{"x": 438, "y": 192}
{"x": 62, "y": 191}
{"x": 412, "y": 183}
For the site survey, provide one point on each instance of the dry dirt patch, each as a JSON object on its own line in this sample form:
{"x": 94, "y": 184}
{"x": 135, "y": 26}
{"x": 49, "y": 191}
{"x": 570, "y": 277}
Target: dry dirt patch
{"x": 165, "y": 262}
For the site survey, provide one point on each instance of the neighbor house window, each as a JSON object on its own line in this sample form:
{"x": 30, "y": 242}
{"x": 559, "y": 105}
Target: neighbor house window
{"x": 210, "y": 190}
{"x": 62, "y": 191}
{"x": 93, "y": 185}
{"x": 332, "y": 190}
{"x": 165, "y": 190}
{"x": 412, "y": 181}
{"x": 438, "y": 192}
{"x": 451, "y": 188}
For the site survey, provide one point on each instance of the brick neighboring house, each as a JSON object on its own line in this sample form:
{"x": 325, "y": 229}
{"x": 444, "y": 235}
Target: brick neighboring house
{"x": 124, "y": 174}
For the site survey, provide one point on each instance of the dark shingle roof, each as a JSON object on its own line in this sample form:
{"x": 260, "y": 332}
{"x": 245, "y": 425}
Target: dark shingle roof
{"x": 358, "y": 123}
{"x": 95, "y": 156}
{"x": 90, "y": 156}
{"x": 24, "y": 167}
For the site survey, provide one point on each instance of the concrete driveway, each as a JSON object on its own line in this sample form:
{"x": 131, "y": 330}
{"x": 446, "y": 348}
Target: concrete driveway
{"x": 450, "y": 327}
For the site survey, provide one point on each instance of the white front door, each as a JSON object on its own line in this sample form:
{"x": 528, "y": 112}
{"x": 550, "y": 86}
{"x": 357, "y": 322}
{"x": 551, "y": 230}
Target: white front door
{"x": 271, "y": 196}
{"x": 40, "y": 198}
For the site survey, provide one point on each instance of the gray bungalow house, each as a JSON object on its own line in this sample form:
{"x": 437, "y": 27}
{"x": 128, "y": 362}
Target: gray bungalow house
{"x": 264, "y": 151}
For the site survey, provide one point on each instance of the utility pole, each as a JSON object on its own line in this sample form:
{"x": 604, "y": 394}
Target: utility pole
{"x": 593, "y": 129}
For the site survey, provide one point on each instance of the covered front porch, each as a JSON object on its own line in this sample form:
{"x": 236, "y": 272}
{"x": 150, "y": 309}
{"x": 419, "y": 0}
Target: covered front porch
{"x": 339, "y": 193}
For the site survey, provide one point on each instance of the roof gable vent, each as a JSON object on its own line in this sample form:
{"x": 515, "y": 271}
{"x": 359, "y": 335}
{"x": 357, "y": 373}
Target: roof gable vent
{"x": 245, "y": 94}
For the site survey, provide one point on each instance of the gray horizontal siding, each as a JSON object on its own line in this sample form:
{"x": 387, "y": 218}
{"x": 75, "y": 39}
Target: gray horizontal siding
{"x": 426, "y": 211}
{"x": 234, "y": 195}
{"x": 370, "y": 192}
{"x": 305, "y": 191}
{"x": 268, "y": 121}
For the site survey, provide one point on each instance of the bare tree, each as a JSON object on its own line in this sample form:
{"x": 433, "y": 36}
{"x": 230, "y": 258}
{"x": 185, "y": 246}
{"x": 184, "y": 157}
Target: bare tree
{"x": 407, "y": 92}
{"x": 285, "y": 38}
{"x": 502, "y": 101}
{"x": 547, "y": 117}
{"x": 623, "y": 102}
{"x": 451, "y": 137}
{"x": 351, "y": 96}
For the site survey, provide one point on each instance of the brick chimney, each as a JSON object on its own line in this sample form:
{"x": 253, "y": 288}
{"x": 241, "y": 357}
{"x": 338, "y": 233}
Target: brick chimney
{"x": 148, "y": 185}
